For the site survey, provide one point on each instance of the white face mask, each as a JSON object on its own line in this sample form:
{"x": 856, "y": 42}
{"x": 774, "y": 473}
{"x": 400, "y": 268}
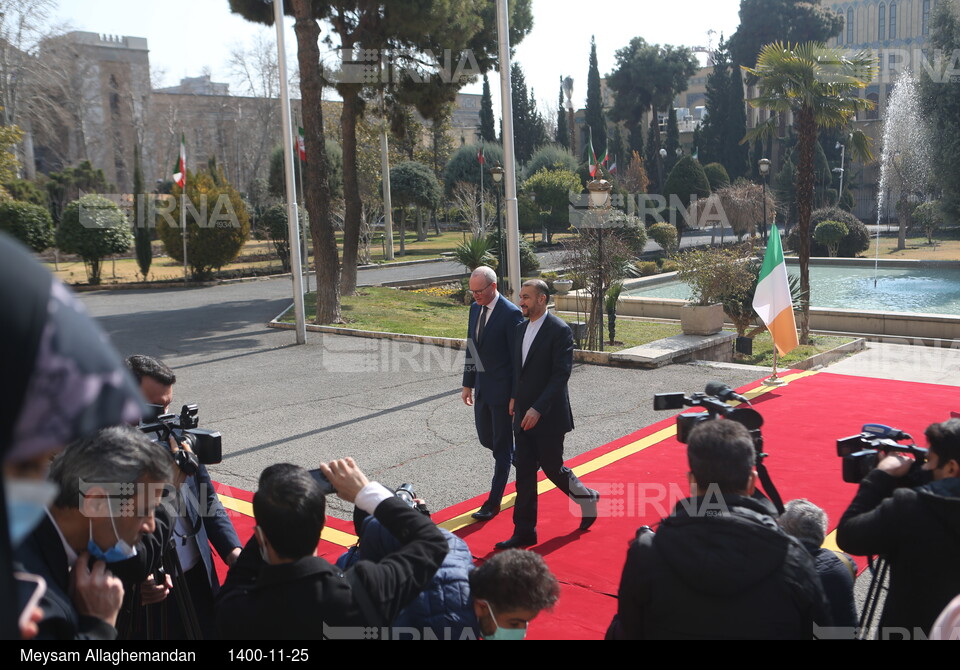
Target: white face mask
{"x": 26, "y": 501}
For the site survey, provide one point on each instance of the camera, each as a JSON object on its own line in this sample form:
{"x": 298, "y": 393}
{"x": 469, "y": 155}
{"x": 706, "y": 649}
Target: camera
{"x": 714, "y": 400}
{"x": 205, "y": 444}
{"x": 861, "y": 453}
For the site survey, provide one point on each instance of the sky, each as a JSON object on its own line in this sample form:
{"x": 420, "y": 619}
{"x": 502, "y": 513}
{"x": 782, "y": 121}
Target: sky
{"x": 186, "y": 36}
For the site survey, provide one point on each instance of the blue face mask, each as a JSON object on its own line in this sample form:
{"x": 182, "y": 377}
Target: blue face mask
{"x": 504, "y": 633}
{"x": 26, "y": 502}
{"x": 120, "y": 551}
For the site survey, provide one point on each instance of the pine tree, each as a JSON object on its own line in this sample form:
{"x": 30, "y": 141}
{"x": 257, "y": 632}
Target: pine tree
{"x": 563, "y": 131}
{"x": 596, "y": 120}
{"x": 726, "y": 121}
{"x": 528, "y": 127}
{"x": 141, "y": 231}
{"x": 655, "y": 164}
{"x": 488, "y": 132}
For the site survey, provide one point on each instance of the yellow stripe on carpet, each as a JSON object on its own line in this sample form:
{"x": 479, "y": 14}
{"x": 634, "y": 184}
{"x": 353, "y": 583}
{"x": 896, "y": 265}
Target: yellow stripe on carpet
{"x": 329, "y": 534}
{"x": 464, "y": 520}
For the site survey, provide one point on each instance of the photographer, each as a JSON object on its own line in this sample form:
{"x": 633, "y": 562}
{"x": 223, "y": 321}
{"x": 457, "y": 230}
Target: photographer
{"x": 719, "y": 567}
{"x": 197, "y": 519}
{"x": 280, "y": 589}
{"x": 916, "y": 529}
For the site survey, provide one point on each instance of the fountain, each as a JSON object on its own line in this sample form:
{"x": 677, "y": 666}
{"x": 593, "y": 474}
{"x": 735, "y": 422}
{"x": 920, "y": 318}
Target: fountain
{"x": 905, "y": 158}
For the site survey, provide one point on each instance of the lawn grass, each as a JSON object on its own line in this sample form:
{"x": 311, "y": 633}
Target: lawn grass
{"x": 763, "y": 350}
{"x": 945, "y": 247}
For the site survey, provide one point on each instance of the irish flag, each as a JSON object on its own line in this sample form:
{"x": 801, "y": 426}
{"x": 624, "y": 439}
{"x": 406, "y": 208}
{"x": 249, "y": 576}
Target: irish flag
{"x": 180, "y": 169}
{"x": 592, "y": 157}
{"x": 772, "y": 301}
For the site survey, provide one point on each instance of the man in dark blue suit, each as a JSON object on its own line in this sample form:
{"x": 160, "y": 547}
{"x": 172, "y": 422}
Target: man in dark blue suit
{"x": 198, "y": 519}
{"x": 540, "y": 406}
{"x": 489, "y": 371}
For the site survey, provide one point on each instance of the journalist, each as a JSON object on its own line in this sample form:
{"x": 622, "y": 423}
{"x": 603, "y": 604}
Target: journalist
{"x": 917, "y": 529}
{"x": 719, "y": 567}
{"x": 279, "y": 588}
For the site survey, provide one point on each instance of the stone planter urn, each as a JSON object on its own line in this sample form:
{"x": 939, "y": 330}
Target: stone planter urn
{"x": 701, "y": 319}
{"x": 563, "y": 286}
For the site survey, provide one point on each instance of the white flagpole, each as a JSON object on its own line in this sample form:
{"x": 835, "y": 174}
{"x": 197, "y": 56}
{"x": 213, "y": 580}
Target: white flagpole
{"x": 293, "y": 221}
{"x": 183, "y": 219}
{"x": 483, "y": 221}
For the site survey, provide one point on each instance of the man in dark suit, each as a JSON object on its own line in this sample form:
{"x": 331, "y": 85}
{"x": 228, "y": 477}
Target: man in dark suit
{"x": 540, "y": 406}
{"x": 109, "y": 487}
{"x": 198, "y": 519}
{"x": 489, "y": 371}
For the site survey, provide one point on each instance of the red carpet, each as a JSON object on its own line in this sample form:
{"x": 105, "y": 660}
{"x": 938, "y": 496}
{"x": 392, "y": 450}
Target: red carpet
{"x": 802, "y": 423}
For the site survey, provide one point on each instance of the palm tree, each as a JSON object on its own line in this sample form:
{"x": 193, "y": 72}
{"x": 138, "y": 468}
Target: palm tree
{"x": 819, "y": 86}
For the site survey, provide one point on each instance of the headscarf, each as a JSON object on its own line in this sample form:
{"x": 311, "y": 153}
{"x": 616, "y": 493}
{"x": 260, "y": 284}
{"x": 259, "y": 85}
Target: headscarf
{"x": 60, "y": 377}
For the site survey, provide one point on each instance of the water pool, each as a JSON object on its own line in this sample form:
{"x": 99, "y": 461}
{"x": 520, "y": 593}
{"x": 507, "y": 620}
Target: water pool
{"x": 922, "y": 290}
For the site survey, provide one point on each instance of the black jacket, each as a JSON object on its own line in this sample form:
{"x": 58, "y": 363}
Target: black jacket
{"x": 312, "y": 599}
{"x": 541, "y": 382}
{"x": 720, "y": 572}
{"x": 42, "y": 554}
{"x": 918, "y": 532}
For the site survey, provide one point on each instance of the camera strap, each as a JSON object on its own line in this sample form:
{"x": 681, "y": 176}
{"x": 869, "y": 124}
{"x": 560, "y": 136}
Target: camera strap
{"x": 769, "y": 488}
{"x": 371, "y": 615}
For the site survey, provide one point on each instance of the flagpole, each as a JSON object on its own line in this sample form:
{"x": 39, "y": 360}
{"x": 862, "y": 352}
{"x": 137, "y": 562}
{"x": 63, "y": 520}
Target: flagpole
{"x": 293, "y": 221}
{"x": 774, "y": 380}
{"x": 509, "y": 157}
{"x": 303, "y": 229}
{"x": 183, "y": 219}
{"x": 483, "y": 220}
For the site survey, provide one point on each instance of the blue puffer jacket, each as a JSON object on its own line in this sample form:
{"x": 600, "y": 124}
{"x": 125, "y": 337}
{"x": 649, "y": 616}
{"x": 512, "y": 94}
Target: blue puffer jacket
{"x": 444, "y": 610}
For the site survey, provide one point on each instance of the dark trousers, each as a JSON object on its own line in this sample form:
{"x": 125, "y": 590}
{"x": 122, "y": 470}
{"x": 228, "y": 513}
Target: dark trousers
{"x": 495, "y": 432}
{"x": 535, "y": 452}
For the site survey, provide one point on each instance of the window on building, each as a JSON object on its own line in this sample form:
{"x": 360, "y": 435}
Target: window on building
{"x": 893, "y": 20}
{"x": 849, "y": 26}
{"x": 926, "y": 17}
{"x": 882, "y": 23}
{"x": 873, "y": 113}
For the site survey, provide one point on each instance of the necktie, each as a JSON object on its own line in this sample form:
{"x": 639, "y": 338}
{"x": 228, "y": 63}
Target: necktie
{"x": 483, "y": 322}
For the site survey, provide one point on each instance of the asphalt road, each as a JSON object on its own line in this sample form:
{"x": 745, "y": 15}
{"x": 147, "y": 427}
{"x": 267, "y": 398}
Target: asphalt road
{"x": 395, "y": 407}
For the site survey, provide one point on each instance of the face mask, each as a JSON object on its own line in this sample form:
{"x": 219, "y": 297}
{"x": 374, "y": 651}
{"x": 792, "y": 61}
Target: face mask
{"x": 121, "y": 551}
{"x": 26, "y": 502}
{"x": 504, "y": 633}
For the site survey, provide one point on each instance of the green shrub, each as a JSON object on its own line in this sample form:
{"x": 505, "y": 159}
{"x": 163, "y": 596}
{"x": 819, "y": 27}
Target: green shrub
{"x": 94, "y": 228}
{"x": 668, "y": 265}
{"x": 930, "y": 216}
{"x": 29, "y": 223}
{"x": 217, "y": 224}
{"x": 529, "y": 261}
{"x": 551, "y": 157}
{"x": 647, "y": 268}
{"x": 665, "y": 235}
{"x": 855, "y": 242}
{"x": 716, "y": 175}
{"x": 829, "y": 234}
{"x": 476, "y": 251}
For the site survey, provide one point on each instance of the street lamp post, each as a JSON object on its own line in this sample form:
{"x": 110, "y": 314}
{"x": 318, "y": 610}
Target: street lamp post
{"x": 497, "y": 174}
{"x": 663, "y": 157}
{"x": 843, "y": 153}
{"x": 599, "y": 199}
{"x": 764, "y": 165}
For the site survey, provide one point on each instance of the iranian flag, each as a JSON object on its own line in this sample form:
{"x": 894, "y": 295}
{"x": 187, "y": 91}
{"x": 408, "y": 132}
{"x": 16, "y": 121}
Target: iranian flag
{"x": 480, "y": 157}
{"x": 301, "y": 145}
{"x": 180, "y": 168}
{"x": 772, "y": 301}
{"x": 593, "y": 157}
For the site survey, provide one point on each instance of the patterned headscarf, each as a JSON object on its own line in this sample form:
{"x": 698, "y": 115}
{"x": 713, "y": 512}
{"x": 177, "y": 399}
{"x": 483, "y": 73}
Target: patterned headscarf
{"x": 60, "y": 377}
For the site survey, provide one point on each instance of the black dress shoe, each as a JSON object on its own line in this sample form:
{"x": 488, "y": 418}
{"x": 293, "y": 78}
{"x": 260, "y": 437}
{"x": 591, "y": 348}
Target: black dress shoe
{"x": 517, "y": 542}
{"x": 589, "y": 510}
{"x": 486, "y": 513}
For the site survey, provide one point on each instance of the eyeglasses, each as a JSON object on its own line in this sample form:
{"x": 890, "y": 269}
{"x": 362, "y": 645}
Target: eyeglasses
{"x": 479, "y": 291}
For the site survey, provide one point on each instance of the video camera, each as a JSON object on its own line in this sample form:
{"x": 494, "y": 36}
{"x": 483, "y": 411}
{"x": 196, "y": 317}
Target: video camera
{"x": 861, "y": 453}
{"x": 205, "y": 444}
{"x": 714, "y": 400}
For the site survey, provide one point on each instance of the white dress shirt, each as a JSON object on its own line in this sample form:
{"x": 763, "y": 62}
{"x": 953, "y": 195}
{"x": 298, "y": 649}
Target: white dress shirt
{"x": 533, "y": 327}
